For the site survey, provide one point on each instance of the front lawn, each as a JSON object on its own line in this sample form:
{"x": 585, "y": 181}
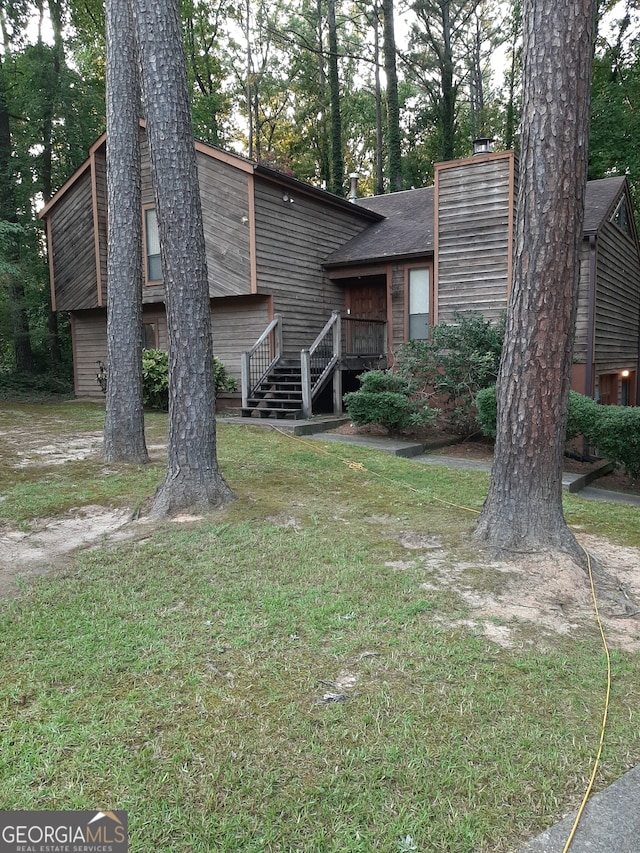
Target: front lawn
{"x": 290, "y": 674}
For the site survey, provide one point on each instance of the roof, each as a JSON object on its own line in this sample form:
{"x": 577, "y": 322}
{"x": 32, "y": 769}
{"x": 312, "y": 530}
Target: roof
{"x": 407, "y": 230}
{"x": 601, "y": 195}
{"x": 237, "y": 162}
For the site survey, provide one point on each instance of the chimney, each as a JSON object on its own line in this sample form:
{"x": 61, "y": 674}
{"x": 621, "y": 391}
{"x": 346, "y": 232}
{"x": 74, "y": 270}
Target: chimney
{"x": 482, "y": 145}
{"x": 353, "y": 189}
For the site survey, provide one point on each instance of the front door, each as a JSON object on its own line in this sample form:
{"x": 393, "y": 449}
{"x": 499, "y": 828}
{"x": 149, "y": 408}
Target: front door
{"x": 366, "y": 309}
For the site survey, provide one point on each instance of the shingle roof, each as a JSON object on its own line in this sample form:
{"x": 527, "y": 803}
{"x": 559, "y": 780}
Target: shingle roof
{"x": 601, "y": 195}
{"x": 407, "y": 230}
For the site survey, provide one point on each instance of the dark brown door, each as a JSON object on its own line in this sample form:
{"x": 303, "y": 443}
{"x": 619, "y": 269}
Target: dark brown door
{"x": 366, "y": 306}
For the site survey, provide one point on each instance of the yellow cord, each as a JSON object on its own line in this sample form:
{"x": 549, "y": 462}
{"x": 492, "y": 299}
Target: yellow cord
{"x": 596, "y": 763}
{"x": 358, "y": 466}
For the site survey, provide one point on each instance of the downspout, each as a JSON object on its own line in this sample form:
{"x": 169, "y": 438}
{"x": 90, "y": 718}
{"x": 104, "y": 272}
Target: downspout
{"x": 591, "y": 320}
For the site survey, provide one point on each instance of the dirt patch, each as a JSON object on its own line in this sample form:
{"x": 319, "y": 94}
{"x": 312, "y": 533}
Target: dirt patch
{"x": 49, "y": 542}
{"x": 526, "y": 602}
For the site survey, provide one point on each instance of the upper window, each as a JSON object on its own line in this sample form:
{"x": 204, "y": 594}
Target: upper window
{"x": 153, "y": 268}
{"x": 621, "y": 216}
{"x": 419, "y": 304}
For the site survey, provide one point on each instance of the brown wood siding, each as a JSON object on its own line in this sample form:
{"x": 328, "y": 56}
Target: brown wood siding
{"x": 236, "y": 324}
{"x": 398, "y": 306}
{"x": 582, "y": 312}
{"x": 100, "y": 184}
{"x": 89, "y": 347}
{"x": 292, "y": 241}
{"x": 72, "y": 243}
{"x": 617, "y": 321}
{"x": 474, "y": 220}
{"x": 225, "y": 214}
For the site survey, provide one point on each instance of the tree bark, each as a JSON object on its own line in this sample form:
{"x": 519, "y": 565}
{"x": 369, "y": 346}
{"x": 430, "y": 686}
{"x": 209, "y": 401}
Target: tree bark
{"x": 523, "y": 510}
{"x": 394, "y": 156}
{"x": 193, "y": 479}
{"x": 337, "y": 160}
{"x": 124, "y": 419}
{"x": 8, "y": 211}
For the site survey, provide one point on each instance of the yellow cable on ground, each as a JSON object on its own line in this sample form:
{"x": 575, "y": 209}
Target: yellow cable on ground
{"x": 596, "y": 763}
{"x": 358, "y": 466}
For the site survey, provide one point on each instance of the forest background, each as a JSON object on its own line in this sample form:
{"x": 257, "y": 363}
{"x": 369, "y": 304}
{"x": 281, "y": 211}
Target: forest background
{"x": 315, "y": 88}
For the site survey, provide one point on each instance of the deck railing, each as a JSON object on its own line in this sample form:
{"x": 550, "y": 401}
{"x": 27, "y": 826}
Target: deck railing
{"x": 263, "y": 355}
{"x": 318, "y": 362}
{"x": 363, "y": 337}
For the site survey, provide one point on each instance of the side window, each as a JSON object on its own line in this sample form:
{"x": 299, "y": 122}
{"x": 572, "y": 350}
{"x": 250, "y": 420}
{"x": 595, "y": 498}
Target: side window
{"x": 153, "y": 269}
{"x": 419, "y": 304}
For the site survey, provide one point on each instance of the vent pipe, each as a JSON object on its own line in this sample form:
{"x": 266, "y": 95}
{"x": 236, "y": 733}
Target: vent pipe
{"x": 354, "y": 177}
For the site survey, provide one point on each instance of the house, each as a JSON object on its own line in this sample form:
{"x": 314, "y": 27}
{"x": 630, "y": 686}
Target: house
{"x": 308, "y": 289}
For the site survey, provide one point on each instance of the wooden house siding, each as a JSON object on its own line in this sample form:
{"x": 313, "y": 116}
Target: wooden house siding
{"x": 473, "y": 233}
{"x": 226, "y": 218}
{"x": 236, "y": 324}
{"x": 100, "y": 219}
{"x": 224, "y": 194}
{"x": 582, "y": 310}
{"x": 292, "y": 241}
{"x": 71, "y": 242}
{"x": 617, "y": 317}
{"x": 89, "y": 337}
{"x": 398, "y": 306}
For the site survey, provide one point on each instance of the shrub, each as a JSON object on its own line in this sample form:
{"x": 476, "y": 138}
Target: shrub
{"x": 487, "y": 410}
{"x": 386, "y": 398}
{"x": 614, "y": 431}
{"x": 155, "y": 378}
{"x": 456, "y": 362}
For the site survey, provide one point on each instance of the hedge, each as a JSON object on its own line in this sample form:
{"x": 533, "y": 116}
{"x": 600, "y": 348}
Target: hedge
{"x": 614, "y": 431}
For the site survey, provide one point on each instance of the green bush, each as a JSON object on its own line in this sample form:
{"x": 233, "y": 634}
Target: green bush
{"x": 34, "y": 386}
{"x": 487, "y": 410}
{"x": 386, "y": 398}
{"x": 453, "y": 365}
{"x": 155, "y": 378}
{"x": 614, "y": 431}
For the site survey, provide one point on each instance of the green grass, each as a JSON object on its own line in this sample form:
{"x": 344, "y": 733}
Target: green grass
{"x": 180, "y": 677}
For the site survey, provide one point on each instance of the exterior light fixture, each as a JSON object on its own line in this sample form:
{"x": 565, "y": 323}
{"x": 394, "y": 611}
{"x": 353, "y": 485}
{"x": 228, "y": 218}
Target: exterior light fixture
{"x": 625, "y": 374}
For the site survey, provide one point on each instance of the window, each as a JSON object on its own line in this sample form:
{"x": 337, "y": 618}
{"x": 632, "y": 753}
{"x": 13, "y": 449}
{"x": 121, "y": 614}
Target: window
{"x": 153, "y": 268}
{"x": 419, "y": 304}
{"x": 621, "y": 217}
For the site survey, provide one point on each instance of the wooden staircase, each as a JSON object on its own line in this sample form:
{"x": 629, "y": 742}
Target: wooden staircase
{"x": 279, "y": 394}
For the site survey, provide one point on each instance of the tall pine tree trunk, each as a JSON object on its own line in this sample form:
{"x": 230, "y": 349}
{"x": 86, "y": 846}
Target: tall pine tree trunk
{"x": 8, "y": 211}
{"x": 193, "y": 479}
{"x": 523, "y": 510}
{"x": 124, "y": 420}
{"x": 337, "y": 160}
{"x": 394, "y": 158}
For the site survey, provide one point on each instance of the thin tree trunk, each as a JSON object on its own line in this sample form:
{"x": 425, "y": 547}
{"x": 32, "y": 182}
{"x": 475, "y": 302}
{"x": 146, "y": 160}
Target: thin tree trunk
{"x": 394, "y": 158}
{"x": 124, "y": 419}
{"x": 337, "y": 160}
{"x": 523, "y": 510}
{"x": 17, "y": 307}
{"x": 378, "y": 95}
{"x": 193, "y": 479}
